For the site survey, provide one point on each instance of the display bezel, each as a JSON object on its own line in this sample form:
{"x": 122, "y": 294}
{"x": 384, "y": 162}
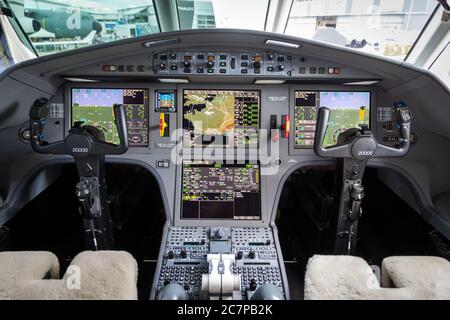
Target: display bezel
{"x": 181, "y": 108}
{"x": 259, "y": 217}
{"x": 146, "y": 104}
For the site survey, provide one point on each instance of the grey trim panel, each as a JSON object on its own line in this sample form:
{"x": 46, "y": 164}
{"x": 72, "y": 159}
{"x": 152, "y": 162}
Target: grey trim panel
{"x": 9, "y": 210}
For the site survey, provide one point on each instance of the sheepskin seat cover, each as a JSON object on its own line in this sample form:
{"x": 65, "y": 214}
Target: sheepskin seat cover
{"x": 23, "y": 266}
{"x": 351, "y": 278}
{"x": 428, "y": 277}
{"x": 91, "y": 275}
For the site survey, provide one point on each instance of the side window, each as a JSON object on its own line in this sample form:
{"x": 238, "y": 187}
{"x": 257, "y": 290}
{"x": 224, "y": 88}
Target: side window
{"x": 5, "y": 56}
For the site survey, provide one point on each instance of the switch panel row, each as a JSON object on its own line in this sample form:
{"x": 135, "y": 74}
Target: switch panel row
{"x": 221, "y": 63}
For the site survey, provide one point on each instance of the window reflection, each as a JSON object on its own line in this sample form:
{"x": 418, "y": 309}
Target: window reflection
{"x": 61, "y": 25}
{"x": 383, "y": 27}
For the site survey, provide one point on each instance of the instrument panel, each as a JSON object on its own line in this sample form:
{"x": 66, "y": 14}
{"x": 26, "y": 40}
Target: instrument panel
{"x": 221, "y": 63}
{"x": 93, "y": 106}
{"x": 349, "y": 109}
{"x": 221, "y": 118}
{"x": 214, "y": 190}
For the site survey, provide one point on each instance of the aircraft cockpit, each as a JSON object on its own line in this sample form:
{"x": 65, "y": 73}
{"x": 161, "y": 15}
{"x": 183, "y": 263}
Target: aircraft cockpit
{"x": 181, "y": 150}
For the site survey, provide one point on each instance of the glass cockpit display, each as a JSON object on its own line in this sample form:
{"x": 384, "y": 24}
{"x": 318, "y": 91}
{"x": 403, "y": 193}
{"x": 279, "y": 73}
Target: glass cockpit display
{"x": 95, "y": 107}
{"x": 227, "y": 118}
{"x": 349, "y": 109}
{"x": 212, "y": 190}
{"x": 166, "y": 101}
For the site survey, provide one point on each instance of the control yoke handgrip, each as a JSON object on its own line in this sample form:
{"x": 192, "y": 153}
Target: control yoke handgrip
{"x": 345, "y": 151}
{"x": 386, "y": 152}
{"x": 342, "y": 151}
{"x": 101, "y": 147}
{"x": 38, "y": 117}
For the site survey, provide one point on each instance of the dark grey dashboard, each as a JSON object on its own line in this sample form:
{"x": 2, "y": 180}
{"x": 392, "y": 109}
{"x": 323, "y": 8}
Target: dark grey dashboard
{"x": 276, "y": 66}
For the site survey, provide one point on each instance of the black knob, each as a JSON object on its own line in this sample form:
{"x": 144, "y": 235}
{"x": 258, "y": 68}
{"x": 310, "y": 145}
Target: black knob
{"x": 210, "y": 64}
{"x": 183, "y": 253}
{"x": 252, "y": 254}
{"x": 268, "y": 243}
{"x": 239, "y": 255}
{"x": 163, "y": 66}
{"x": 170, "y": 254}
{"x": 281, "y": 67}
{"x": 166, "y": 282}
{"x": 186, "y": 64}
{"x": 270, "y": 56}
{"x": 186, "y": 287}
{"x": 203, "y": 241}
{"x": 253, "y": 285}
{"x": 257, "y": 64}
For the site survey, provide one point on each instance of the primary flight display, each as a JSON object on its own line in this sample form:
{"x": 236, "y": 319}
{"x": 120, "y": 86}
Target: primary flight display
{"x": 93, "y": 106}
{"x": 227, "y": 118}
{"x": 349, "y": 109}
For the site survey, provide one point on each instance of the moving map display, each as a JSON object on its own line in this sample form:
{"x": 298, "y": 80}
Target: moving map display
{"x": 349, "y": 109}
{"x": 212, "y": 190}
{"x": 95, "y": 107}
{"x": 227, "y": 118}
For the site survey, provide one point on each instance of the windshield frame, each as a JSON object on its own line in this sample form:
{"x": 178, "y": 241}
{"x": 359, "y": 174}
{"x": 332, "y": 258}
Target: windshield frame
{"x": 18, "y": 27}
{"x": 419, "y": 36}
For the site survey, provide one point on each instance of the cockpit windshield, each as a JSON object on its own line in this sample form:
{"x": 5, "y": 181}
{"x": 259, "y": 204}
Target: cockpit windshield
{"x": 383, "y": 27}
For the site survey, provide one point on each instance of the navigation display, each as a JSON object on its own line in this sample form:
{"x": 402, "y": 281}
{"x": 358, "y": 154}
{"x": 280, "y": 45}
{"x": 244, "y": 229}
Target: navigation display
{"x": 220, "y": 191}
{"x": 227, "y": 118}
{"x": 95, "y": 107}
{"x": 349, "y": 109}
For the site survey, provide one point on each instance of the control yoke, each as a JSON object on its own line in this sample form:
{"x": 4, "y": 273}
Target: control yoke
{"x": 79, "y": 143}
{"x": 353, "y": 149}
{"x": 87, "y": 145}
{"x": 363, "y": 146}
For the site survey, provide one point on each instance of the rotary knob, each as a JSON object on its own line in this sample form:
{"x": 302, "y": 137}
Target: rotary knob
{"x": 239, "y": 255}
{"x": 170, "y": 254}
{"x": 270, "y": 56}
{"x": 257, "y": 64}
{"x": 252, "y": 254}
{"x": 163, "y": 66}
{"x": 186, "y": 64}
{"x": 210, "y": 64}
{"x": 281, "y": 67}
{"x": 183, "y": 253}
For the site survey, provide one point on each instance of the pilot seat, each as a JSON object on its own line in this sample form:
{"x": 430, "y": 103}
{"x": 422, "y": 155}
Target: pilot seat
{"x": 97, "y": 275}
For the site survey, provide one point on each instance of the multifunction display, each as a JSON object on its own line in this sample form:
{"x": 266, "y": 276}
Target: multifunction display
{"x": 220, "y": 191}
{"x": 227, "y": 118}
{"x": 348, "y": 110}
{"x": 95, "y": 107}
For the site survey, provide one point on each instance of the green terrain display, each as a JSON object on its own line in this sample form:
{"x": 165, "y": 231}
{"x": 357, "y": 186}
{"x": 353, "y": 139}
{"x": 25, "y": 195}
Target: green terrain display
{"x": 210, "y": 113}
{"x": 342, "y": 119}
{"x": 99, "y": 116}
{"x": 348, "y": 109}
